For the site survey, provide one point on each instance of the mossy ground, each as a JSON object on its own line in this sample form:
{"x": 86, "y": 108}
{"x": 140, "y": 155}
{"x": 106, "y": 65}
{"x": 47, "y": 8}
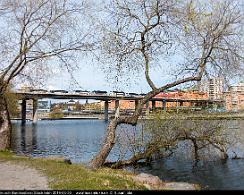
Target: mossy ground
{"x": 63, "y": 176}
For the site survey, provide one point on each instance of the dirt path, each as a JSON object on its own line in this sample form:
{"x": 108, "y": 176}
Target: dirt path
{"x": 16, "y": 177}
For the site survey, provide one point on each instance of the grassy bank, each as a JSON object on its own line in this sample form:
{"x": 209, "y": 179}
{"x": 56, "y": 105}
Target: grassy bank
{"x": 197, "y": 116}
{"x": 63, "y": 176}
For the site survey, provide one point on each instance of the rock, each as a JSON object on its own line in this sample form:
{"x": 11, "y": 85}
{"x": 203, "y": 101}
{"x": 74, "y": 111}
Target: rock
{"x": 152, "y": 182}
{"x": 148, "y": 180}
{"x": 68, "y": 161}
{"x": 179, "y": 186}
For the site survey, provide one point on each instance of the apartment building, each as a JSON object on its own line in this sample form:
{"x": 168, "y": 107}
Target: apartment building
{"x": 234, "y": 97}
{"x": 214, "y": 87}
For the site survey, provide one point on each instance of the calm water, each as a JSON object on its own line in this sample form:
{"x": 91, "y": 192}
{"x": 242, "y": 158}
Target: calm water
{"x": 79, "y": 140}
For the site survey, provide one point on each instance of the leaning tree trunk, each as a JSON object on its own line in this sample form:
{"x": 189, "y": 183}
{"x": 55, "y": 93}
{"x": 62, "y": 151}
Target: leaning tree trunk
{"x": 99, "y": 160}
{"x": 5, "y": 126}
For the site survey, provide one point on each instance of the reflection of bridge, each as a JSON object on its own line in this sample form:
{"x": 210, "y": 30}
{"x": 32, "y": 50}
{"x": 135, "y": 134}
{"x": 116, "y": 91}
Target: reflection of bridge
{"x": 106, "y": 98}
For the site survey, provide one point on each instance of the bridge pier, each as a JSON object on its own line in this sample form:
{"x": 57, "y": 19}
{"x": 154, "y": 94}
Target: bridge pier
{"x": 23, "y": 112}
{"x": 153, "y": 105}
{"x": 164, "y": 105}
{"x": 177, "y": 106}
{"x": 181, "y": 103}
{"x": 116, "y": 108}
{"x": 35, "y": 114}
{"x": 147, "y": 109}
{"x": 136, "y": 104}
{"x": 106, "y": 110}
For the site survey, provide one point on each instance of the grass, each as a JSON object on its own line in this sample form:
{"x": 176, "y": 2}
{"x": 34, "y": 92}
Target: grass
{"x": 63, "y": 176}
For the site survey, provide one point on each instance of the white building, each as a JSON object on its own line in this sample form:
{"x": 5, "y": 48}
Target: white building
{"x": 214, "y": 87}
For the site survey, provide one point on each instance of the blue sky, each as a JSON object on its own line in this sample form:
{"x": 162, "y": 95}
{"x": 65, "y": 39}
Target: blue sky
{"x": 90, "y": 77}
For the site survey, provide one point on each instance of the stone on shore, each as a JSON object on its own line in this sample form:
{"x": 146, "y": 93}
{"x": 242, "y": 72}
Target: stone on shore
{"x": 152, "y": 182}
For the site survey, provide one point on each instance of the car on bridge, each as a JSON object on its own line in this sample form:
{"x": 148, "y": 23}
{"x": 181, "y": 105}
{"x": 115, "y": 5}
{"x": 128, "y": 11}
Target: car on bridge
{"x": 82, "y": 92}
{"x": 132, "y": 94}
{"x": 39, "y": 90}
{"x": 58, "y": 91}
{"x": 99, "y": 92}
{"x": 117, "y": 93}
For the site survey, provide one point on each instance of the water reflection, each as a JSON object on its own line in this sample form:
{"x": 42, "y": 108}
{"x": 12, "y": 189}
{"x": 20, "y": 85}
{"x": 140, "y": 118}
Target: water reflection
{"x": 79, "y": 140}
{"x": 212, "y": 175}
{"x": 24, "y": 140}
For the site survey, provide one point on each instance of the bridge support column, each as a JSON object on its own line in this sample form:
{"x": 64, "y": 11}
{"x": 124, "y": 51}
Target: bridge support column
{"x": 177, "y": 107}
{"x": 147, "y": 109}
{"x": 116, "y": 108}
{"x": 106, "y": 110}
{"x": 35, "y": 114}
{"x": 164, "y": 105}
{"x": 136, "y": 104}
{"x": 23, "y": 112}
{"x": 153, "y": 105}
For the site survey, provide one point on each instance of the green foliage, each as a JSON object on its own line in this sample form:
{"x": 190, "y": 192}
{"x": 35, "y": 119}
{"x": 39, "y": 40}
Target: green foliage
{"x": 56, "y": 114}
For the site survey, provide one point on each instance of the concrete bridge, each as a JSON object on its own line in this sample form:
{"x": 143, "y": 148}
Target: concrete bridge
{"x": 106, "y": 98}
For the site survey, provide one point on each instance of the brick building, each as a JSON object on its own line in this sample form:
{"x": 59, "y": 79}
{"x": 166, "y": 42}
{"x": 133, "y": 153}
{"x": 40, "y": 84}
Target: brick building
{"x": 234, "y": 97}
{"x": 176, "y": 94}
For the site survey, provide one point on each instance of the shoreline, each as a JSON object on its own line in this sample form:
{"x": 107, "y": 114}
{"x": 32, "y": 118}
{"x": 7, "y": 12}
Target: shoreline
{"x": 66, "y": 176}
{"x": 212, "y": 116}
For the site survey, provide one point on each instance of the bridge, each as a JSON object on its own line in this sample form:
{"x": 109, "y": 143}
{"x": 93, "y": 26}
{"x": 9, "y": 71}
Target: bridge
{"x": 102, "y": 97}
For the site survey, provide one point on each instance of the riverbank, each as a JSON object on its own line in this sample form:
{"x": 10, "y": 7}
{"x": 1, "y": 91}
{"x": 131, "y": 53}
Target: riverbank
{"x": 165, "y": 115}
{"x": 198, "y": 116}
{"x": 57, "y": 174}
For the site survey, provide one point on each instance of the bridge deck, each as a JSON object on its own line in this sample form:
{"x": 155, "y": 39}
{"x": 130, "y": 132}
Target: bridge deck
{"x": 31, "y": 95}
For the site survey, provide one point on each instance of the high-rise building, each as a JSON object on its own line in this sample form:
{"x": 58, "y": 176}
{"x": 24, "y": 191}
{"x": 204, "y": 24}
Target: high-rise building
{"x": 214, "y": 87}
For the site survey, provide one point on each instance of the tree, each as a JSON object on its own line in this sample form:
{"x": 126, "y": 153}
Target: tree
{"x": 206, "y": 37}
{"x": 161, "y": 136}
{"x": 56, "y": 114}
{"x": 37, "y": 35}
{"x": 12, "y": 102}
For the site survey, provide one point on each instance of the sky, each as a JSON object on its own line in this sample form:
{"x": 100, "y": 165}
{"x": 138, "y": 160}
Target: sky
{"x": 90, "y": 77}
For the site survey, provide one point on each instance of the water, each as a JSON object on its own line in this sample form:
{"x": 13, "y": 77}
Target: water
{"x": 77, "y": 140}
{"x": 80, "y": 140}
